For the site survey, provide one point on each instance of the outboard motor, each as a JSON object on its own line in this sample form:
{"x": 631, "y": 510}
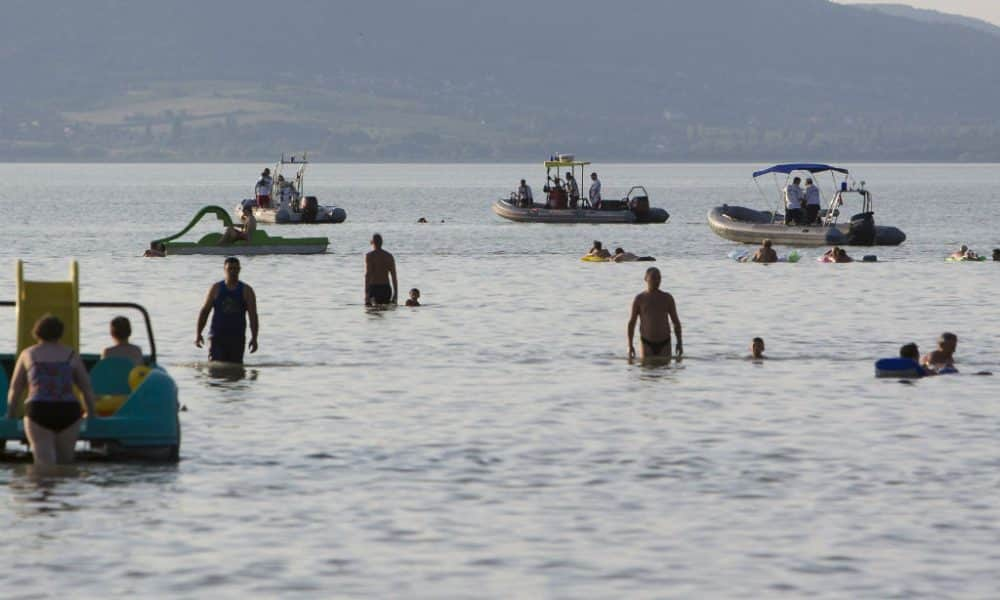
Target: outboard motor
{"x": 640, "y": 206}
{"x": 309, "y": 209}
{"x": 862, "y": 231}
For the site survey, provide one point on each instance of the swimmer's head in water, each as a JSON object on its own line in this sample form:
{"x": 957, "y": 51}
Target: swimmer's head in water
{"x": 619, "y": 250}
{"x": 964, "y": 248}
{"x": 909, "y": 351}
{"x": 948, "y": 341}
{"x": 414, "y": 293}
{"x": 757, "y": 347}
{"x": 598, "y": 245}
{"x": 767, "y": 243}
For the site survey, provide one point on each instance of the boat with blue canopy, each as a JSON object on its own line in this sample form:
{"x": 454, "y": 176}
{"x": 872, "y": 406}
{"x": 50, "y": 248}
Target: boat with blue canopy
{"x": 751, "y": 226}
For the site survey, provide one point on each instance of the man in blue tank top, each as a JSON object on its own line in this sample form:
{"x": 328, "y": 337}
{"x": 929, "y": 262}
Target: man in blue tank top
{"x": 229, "y": 301}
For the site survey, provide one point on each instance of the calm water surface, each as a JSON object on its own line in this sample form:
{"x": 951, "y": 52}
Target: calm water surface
{"x": 495, "y": 442}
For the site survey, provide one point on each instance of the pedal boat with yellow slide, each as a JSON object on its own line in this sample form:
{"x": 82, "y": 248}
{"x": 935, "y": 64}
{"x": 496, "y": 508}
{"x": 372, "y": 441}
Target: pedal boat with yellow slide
{"x": 259, "y": 243}
{"x": 137, "y": 406}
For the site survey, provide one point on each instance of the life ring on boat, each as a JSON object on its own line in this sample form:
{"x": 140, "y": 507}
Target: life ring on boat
{"x": 137, "y": 375}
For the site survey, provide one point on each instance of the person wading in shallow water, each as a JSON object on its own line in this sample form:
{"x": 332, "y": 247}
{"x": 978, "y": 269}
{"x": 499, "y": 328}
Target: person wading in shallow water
{"x": 229, "y": 301}
{"x": 655, "y": 309}
{"x": 380, "y": 270}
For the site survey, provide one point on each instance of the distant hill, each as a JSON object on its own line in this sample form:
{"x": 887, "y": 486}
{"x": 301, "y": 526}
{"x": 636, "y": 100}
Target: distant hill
{"x": 933, "y": 16}
{"x": 452, "y": 80}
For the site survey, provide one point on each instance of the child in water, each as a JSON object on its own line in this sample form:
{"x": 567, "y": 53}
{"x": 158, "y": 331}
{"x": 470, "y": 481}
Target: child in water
{"x": 414, "y": 299}
{"x": 757, "y": 349}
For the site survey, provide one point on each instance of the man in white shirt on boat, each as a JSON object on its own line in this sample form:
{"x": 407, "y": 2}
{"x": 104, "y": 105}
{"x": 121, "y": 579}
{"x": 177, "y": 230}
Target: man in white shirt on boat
{"x": 263, "y": 189}
{"x": 524, "y": 196}
{"x": 595, "y": 191}
{"x": 793, "y": 202}
{"x": 812, "y": 202}
{"x": 286, "y": 191}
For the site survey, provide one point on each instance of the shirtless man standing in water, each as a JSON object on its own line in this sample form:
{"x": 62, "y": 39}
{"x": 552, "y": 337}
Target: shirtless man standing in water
{"x": 656, "y": 309}
{"x": 380, "y": 269}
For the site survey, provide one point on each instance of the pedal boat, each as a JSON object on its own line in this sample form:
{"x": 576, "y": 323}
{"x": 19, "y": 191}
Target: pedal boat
{"x": 292, "y": 207}
{"x": 750, "y": 226}
{"x": 634, "y": 208}
{"x": 140, "y": 401}
{"x": 260, "y": 242}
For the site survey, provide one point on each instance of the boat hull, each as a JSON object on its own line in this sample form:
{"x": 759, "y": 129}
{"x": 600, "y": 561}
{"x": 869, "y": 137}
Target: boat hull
{"x": 539, "y": 214}
{"x": 749, "y": 226}
{"x": 281, "y": 216}
{"x": 244, "y": 249}
{"x": 146, "y": 426}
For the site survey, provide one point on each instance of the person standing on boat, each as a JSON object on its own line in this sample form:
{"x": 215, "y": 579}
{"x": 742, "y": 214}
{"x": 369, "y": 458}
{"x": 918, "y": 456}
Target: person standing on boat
{"x": 380, "y": 271}
{"x": 525, "y": 198}
{"x": 286, "y": 193}
{"x": 655, "y": 309}
{"x": 595, "y": 191}
{"x": 230, "y": 301}
{"x": 572, "y": 190}
{"x": 812, "y": 203}
{"x": 263, "y": 189}
{"x": 793, "y": 202}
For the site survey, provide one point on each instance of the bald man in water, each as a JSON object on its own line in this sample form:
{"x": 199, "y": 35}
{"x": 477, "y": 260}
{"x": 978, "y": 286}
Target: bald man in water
{"x": 656, "y": 310}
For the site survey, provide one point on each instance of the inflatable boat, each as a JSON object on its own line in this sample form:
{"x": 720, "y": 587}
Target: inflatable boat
{"x": 749, "y": 226}
{"x": 565, "y": 204}
{"x": 260, "y": 242}
{"x": 290, "y": 205}
{"x": 137, "y": 405}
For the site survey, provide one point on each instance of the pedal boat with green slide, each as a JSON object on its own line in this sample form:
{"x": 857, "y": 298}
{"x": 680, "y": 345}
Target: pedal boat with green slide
{"x": 137, "y": 405}
{"x": 259, "y": 243}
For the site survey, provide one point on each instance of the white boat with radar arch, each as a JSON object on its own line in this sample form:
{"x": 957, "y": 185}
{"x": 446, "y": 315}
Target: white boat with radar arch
{"x": 750, "y": 226}
{"x": 288, "y": 202}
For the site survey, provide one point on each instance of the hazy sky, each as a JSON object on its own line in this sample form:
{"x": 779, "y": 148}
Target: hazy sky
{"x": 987, "y": 10}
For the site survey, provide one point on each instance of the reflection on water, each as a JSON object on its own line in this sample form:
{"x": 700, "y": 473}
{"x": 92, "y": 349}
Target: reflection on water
{"x": 229, "y": 372}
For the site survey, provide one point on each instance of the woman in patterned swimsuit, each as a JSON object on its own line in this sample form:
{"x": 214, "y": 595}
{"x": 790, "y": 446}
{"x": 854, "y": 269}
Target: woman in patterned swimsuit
{"x": 52, "y": 412}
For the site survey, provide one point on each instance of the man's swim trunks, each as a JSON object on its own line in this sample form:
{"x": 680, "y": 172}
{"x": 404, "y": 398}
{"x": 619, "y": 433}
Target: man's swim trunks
{"x": 656, "y": 347}
{"x": 380, "y": 293}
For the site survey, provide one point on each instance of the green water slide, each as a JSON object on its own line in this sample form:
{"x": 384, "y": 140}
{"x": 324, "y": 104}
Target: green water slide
{"x": 259, "y": 243}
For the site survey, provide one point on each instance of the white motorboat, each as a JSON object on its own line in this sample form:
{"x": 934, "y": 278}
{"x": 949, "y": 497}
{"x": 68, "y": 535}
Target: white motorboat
{"x": 288, "y": 204}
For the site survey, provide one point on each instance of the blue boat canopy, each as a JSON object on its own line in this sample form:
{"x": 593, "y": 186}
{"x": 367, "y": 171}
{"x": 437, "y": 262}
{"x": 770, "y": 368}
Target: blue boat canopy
{"x": 789, "y": 167}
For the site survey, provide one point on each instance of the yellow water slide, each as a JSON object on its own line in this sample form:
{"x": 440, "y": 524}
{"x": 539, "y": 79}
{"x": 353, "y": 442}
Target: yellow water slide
{"x": 60, "y": 298}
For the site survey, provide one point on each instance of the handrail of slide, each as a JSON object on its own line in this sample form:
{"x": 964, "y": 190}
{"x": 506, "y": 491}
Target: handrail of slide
{"x": 218, "y": 211}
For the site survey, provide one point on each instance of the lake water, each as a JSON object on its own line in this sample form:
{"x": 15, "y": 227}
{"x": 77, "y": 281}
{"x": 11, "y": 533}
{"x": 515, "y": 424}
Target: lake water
{"x": 496, "y": 442}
